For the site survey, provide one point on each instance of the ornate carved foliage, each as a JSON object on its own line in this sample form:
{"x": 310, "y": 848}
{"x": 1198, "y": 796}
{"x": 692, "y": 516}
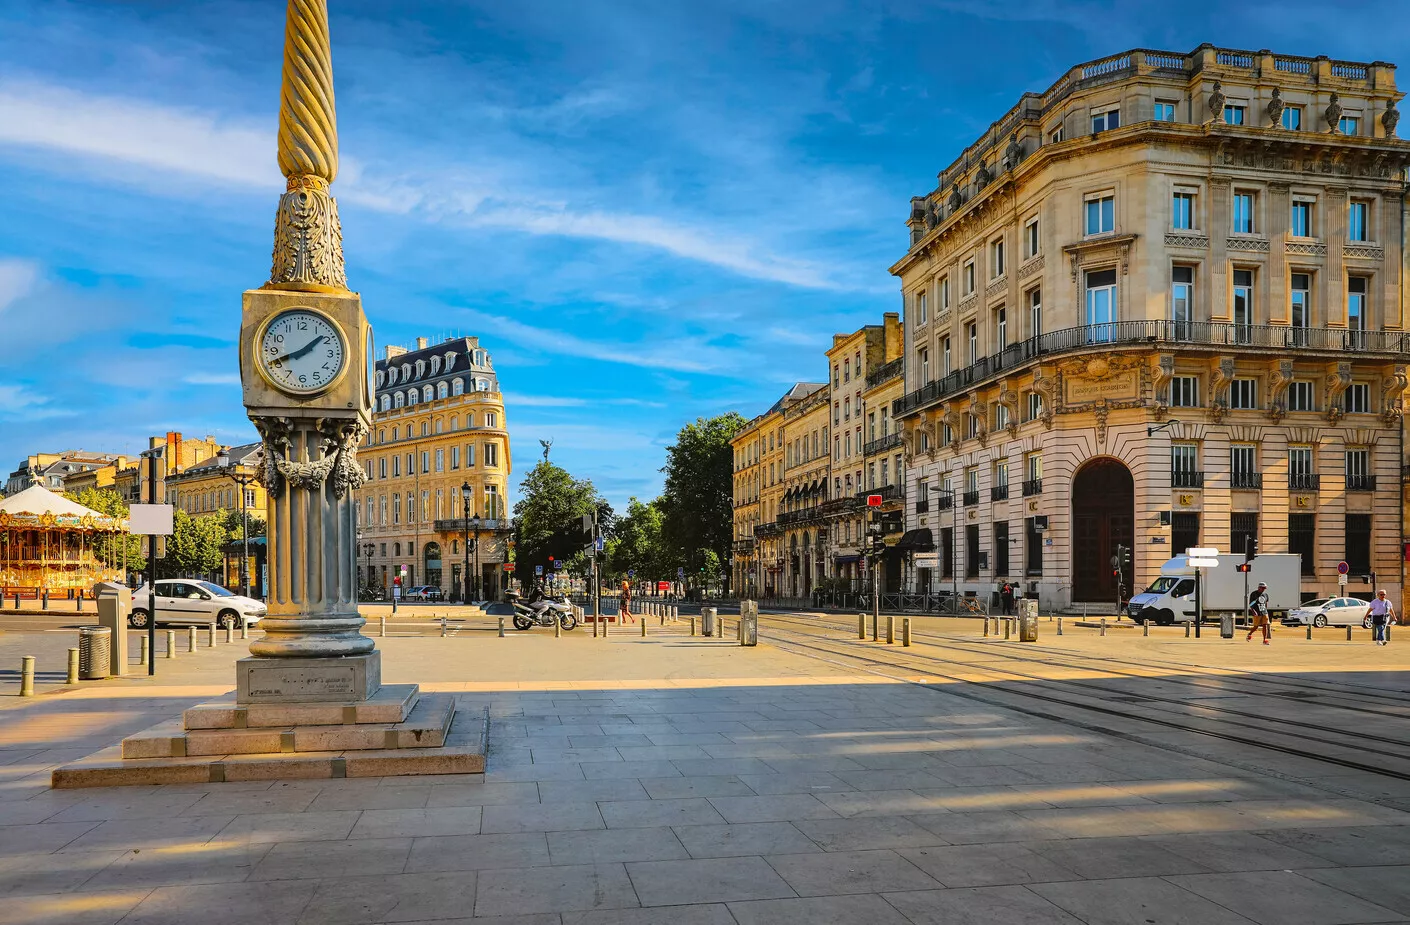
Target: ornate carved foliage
{"x": 1282, "y": 378}
{"x": 337, "y": 440}
{"x": 1338, "y": 379}
{"x": 1392, "y": 395}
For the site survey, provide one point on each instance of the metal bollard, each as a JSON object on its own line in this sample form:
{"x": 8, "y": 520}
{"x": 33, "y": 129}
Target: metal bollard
{"x": 596, "y": 619}
{"x": 986, "y": 625}
{"x": 142, "y": 653}
{"x": 1309, "y": 632}
{"x": 675, "y": 612}
{"x": 244, "y": 628}
{"x": 605, "y": 627}
{"x": 1102, "y": 631}
{"x": 230, "y": 634}
{"x": 501, "y": 627}
{"x": 382, "y": 629}
{"x": 443, "y": 626}
{"x": 45, "y": 604}
{"x": 210, "y": 639}
{"x": 190, "y": 639}
{"x": 1348, "y": 634}
{"x": 1145, "y": 627}
{"x": 890, "y": 631}
{"x": 661, "y": 614}
{"x": 1008, "y": 628}
{"x": 643, "y": 626}
{"x": 1059, "y": 619}
{"x": 79, "y": 605}
{"x": 73, "y": 667}
{"x": 171, "y": 643}
{"x": 861, "y": 626}
{"x": 905, "y": 631}
{"x": 1187, "y": 629}
{"x": 27, "y": 676}
{"x": 692, "y": 626}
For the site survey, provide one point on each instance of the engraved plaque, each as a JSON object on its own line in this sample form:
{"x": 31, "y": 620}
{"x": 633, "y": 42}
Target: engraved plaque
{"x": 349, "y": 679}
{"x": 1121, "y": 386}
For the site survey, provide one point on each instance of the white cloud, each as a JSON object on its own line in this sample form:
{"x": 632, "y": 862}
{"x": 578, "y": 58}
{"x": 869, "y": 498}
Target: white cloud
{"x": 22, "y": 404}
{"x": 213, "y": 379}
{"x": 17, "y": 279}
{"x": 155, "y": 137}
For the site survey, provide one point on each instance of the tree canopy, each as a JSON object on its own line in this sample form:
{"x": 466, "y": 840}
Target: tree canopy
{"x": 196, "y": 546}
{"x": 637, "y": 544}
{"x": 697, "y": 504}
{"x": 110, "y": 547}
{"x": 548, "y": 517}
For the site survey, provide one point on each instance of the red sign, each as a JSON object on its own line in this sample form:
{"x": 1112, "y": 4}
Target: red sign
{"x": 509, "y": 566}
{"x": 873, "y": 500}
{"x": 663, "y": 586}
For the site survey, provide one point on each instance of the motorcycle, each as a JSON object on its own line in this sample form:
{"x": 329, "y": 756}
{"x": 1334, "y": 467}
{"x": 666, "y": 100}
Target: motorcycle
{"x": 527, "y": 616}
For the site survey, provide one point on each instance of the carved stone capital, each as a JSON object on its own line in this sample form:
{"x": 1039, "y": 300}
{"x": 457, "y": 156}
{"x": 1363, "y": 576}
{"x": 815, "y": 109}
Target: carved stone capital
{"x": 308, "y": 239}
{"x": 334, "y": 454}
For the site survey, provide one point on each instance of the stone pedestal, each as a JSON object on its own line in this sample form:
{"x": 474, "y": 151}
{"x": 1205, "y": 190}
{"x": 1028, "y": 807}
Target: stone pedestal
{"x": 308, "y": 680}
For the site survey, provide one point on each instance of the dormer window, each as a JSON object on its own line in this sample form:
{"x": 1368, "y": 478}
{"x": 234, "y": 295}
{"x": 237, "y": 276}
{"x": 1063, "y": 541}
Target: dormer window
{"x": 381, "y": 377}
{"x": 435, "y": 365}
{"x": 391, "y": 375}
{"x": 406, "y": 372}
{"x": 420, "y": 368}
{"x": 450, "y": 360}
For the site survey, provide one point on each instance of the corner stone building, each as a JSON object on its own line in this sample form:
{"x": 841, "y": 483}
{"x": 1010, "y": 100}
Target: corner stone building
{"x": 1161, "y": 305}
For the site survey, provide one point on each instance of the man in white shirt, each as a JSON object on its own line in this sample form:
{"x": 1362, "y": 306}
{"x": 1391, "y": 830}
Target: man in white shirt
{"x": 1381, "y": 614}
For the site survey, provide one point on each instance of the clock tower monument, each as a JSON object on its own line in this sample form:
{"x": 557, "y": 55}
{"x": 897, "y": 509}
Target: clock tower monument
{"x": 305, "y": 365}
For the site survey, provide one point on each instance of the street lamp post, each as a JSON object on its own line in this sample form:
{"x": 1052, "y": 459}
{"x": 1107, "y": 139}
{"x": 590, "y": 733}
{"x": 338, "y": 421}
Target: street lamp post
{"x": 223, "y": 461}
{"x": 475, "y": 550}
{"x": 465, "y": 498}
{"x": 368, "y": 549}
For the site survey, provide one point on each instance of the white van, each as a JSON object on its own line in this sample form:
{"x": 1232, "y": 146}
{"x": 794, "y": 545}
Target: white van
{"x": 1171, "y": 597}
{"x": 186, "y": 601}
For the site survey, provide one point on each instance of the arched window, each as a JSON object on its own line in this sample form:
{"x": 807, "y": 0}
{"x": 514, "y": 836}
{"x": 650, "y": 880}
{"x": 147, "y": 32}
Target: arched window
{"x": 426, "y": 393}
{"x": 457, "y": 387}
{"x": 396, "y": 547}
{"x": 382, "y": 434}
{"x": 381, "y": 378}
{"x": 412, "y": 397}
{"x": 408, "y": 431}
{"x": 386, "y": 403}
{"x": 454, "y": 422}
{"x": 438, "y": 425}
{"x": 398, "y": 400}
{"x": 482, "y": 385}
{"x": 442, "y": 390}
{"x": 425, "y": 429}
{"x": 491, "y": 419}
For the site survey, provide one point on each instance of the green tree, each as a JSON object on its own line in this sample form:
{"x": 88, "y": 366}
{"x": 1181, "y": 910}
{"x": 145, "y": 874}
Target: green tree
{"x": 234, "y": 525}
{"x": 196, "y": 546}
{"x": 549, "y": 517}
{"x": 638, "y": 543}
{"x": 697, "y": 504}
{"x": 110, "y": 547}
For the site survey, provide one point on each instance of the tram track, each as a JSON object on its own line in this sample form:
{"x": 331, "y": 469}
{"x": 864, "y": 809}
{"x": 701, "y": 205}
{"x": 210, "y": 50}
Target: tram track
{"x": 1035, "y": 688}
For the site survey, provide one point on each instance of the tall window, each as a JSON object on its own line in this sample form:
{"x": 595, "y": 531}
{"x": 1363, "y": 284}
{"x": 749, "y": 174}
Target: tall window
{"x": 1243, "y": 305}
{"x": 969, "y": 277}
{"x": 491, "y": 419}
{"x": 1357, "y": 398}
{"x": 1358, "y": 543}
{"x": 1302, "y": 540}
{"x": 973, "y": 342}
{"x": 1101, "y": 306}
{"x": 996, "y": 258}
{"x": 1182, "y": 210}
{"x": 1184, "y": 460}
{"x": 1030, "y": 233}
{"x": 1035, "y": 313}
{"x": 944, "y": 294}
{"x": 945, "y": 356}
{"x": 1356, "y": 309}
{"x": 921, "y": 314}
{"x": 440, "y": 460}
{"x": 1033, "y": 548}
{"x": 1101, "y": 215}
{"x": 1301, "y": 468}
{"x": 1184, "y": 392}
{"x": 1001, "y": 416}
{"x": 455, "y": 457}
{"x": 1358, "y": 469}
{"x": 1184, "y": 531}
{"x": 1001, "y": 547}
{"x": 1243, "y": 213}
{"x": 1243, "y": 394}
{"x": 1358, "y": 221}
{"x": 1035, "y": 406}
{"x": 1243, "y": 466}
{"x": 1182, "y": 290}
{"x": 1300, "y": 396}
{"x": 1300, "y": 305}
{"x": 1301, "y": 218}
{"x": 1001, "y": 328}
{"x": 1292, "y": 118}
{"x": 1101, "y": 121}
{"x": 1164, "y": 111}
{"x": 1243, "y": 532}
{"x": 1033, "y": 467}
{"x": 923, "y": 355}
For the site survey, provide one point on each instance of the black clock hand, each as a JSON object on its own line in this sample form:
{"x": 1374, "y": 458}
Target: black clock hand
{"x": 294, "y": 355}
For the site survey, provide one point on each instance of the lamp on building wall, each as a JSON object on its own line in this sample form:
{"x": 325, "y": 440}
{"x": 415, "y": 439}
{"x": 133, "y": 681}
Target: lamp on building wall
{"x": 465, "y": 498}
{"x": 223, "y": 461}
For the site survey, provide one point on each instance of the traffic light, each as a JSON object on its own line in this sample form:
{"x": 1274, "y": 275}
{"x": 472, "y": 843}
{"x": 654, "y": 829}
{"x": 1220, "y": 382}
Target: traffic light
{"x": 1244, "y": 567}
{"x": 1124, "y": 554}
{"x": 1250, "y": 549}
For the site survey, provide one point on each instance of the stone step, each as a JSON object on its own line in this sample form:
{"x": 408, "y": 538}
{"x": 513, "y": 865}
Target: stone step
{"x": 108, "y": 768}
{"x": 425, "y": 727}
{"x": 392, "y": 703}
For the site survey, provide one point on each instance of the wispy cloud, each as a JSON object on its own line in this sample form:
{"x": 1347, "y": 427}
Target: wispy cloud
{"x": 17, "y": 279}
{"x": 213, "y": 379}
{"x": 565, "y": 401}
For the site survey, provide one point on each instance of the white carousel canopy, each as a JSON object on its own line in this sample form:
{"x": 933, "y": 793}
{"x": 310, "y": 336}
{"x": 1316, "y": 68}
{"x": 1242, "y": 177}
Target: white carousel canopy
{"x": 37, "y": 504}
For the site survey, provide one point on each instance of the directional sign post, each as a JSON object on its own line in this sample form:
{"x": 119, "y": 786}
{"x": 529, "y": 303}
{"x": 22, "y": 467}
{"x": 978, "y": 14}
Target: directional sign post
{"x": 1201, "y": 558}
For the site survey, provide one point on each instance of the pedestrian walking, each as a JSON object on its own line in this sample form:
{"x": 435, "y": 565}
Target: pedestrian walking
{"x": 1006, "y": 598}
{"x": 1382, "y": 612}
{"x": 1258, "y": 612}
{"x": 627, "y": 601}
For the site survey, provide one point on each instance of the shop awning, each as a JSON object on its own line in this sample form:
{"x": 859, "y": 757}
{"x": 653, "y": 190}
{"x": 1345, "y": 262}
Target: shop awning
{"x": 919, "y": 540}
{"x": 845, "y": 560}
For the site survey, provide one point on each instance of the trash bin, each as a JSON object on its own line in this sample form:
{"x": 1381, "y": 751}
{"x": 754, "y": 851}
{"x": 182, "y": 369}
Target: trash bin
{"x": 707, "y": 621}
{"x": 114, "y": 607}
{"x": 748, "y": 623}
{"x": 93, "y": 652}
{"x": 1226, "y": 626}
{"x": 1028, "y": 621}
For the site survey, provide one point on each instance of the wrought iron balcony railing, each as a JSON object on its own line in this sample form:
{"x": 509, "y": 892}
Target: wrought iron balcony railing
{"x": 881, "y": 444}
{"x": 1186, "y": 479}
{"x": 999, "y": 493}
{"x": 1304, "y": 481}
{"x": 1360, "y": 482}
{"x": 971, "y": 498}
{"x": 1246, "y": 480}
{"x": 1032, "y": 487}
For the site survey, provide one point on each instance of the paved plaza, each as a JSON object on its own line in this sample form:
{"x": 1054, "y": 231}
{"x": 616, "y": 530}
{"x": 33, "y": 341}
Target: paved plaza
{"x": 798, "y": 782}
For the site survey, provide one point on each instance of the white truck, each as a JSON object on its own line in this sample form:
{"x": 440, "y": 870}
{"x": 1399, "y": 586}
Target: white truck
{"x": 1171, "y": 598}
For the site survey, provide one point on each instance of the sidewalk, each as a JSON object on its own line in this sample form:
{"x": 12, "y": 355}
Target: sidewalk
{"x": 693, "y": 782}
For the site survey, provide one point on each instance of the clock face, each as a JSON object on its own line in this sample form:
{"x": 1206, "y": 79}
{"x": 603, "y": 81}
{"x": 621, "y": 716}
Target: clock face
{"x": 301, "y": 351}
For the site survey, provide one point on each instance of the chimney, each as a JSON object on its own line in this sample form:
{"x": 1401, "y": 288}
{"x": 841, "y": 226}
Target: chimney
{"x": 394, "y": 352}
{"x": 420, "y": 343}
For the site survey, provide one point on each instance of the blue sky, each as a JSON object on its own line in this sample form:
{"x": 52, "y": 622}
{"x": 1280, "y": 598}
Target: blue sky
{"x": 647, "y": 211}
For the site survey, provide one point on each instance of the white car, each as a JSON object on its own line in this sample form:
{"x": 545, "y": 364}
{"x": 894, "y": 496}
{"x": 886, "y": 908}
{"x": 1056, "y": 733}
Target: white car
{"x": 185, "y": 601}
{"x": 1331, "y": 611}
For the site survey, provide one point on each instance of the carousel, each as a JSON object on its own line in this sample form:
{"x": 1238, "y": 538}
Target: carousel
{"x": 47, "y": 543}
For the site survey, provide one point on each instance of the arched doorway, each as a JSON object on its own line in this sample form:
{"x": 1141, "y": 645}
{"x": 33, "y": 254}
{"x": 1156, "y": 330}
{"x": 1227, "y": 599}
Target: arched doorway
{"x": 433, "y": 564}
{"x": 1103, "y": 517}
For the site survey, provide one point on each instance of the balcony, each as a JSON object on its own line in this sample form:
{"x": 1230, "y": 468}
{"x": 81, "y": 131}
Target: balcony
{"x": 1246, "y": 480}
{"x": 999, "y": 493}
{"x": 881, "y": 444}
{"x": 1304, "y": 481}
{"x": 923, "y": 505}
{"x": 1032, "y": 487}
{"x": 886, "y": 372}
{"x": 1162, "y": 334}
{"x": 945, "y": 502}
{"x": 458, "y": 525}
{"x": 1360, "y": 482}
{"x": 1184, "y": 479}
{"x": 971, "y": 498}
{"x": 887, "y": 492}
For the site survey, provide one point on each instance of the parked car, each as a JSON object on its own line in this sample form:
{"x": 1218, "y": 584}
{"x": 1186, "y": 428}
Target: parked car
{"x": 185, "y": 601}
{"x": 424, "y": 593}
{"x": 1331, "y": 611}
